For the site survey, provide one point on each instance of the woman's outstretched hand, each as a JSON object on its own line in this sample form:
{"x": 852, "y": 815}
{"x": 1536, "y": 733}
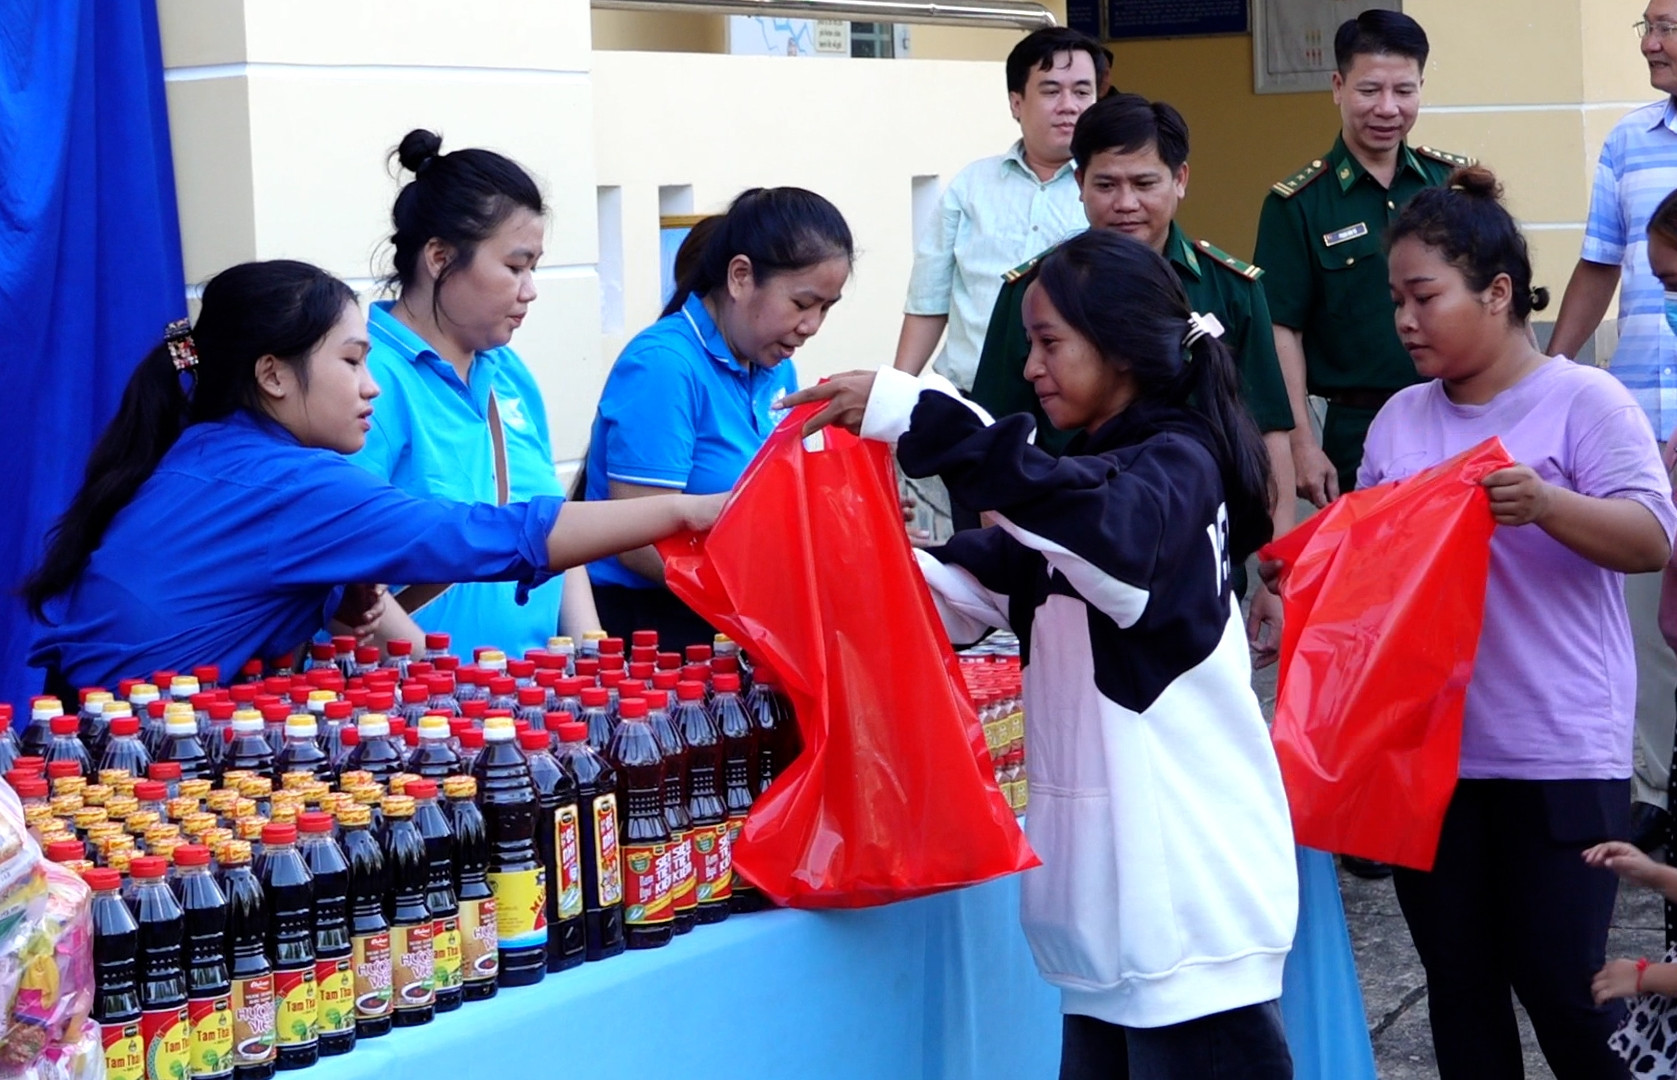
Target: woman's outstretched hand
{"x": 846, "y": 396}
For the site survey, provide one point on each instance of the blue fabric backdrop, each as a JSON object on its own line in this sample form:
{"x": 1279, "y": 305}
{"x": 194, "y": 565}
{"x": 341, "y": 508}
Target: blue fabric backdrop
{"x": 90, "y": 262}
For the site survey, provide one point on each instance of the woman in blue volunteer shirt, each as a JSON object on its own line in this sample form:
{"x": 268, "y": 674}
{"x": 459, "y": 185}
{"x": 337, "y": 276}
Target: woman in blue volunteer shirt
{"x": 691, "y": 399}
{"x": 461, "y": 416}
{"x": 221, "y": 520}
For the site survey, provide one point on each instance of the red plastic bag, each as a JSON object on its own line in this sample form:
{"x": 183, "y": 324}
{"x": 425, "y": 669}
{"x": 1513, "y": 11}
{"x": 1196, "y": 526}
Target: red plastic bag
{"x": 1384, "y": 596}
{"x": 894, "y": 794}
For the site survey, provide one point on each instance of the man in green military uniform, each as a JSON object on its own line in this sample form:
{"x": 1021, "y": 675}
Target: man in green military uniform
{"x": 1132, "y": 169}
{"x": 1319, "y": 242}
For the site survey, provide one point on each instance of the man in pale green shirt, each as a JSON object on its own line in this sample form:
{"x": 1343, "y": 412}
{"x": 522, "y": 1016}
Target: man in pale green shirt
{"x": 1000, "y": 211}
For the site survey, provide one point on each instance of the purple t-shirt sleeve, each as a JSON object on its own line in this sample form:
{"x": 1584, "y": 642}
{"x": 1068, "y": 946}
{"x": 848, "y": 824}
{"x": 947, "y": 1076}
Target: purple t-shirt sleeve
{"x": 1615, "y": 454}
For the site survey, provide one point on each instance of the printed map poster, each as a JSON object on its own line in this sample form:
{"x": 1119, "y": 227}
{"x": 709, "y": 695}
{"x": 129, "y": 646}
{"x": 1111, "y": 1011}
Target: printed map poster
{"x": 766, "y": 35}
{"x": 1292, "y": 41}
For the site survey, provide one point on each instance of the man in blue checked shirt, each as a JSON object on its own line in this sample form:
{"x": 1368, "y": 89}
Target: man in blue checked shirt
{"x": 1638, "y": 168}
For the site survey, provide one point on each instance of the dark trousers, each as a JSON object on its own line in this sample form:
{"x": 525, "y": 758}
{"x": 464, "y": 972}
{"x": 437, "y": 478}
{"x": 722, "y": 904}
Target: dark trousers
{"x": 1344, "y": 429}
{"x": 624, "y": 610}
{"x": 1510, "y": 907}
{"x": 1242, "y": 1044}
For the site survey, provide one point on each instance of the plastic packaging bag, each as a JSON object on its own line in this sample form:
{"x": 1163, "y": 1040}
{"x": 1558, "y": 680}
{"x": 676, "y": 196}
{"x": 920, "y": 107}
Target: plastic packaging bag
{"x": 810, "y": 569}
{"x": 1384, "y": 596}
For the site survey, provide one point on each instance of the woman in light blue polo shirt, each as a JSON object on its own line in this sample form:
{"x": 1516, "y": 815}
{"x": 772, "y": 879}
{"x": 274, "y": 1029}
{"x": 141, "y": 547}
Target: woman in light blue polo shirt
{"x": 462, "y": 417}
{"x": 691, "y": 399}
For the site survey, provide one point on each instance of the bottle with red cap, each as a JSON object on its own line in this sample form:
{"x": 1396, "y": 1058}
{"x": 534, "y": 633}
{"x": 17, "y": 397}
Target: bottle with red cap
{"x": 412, "y": 951}
{"x": 503, "y": 692}
{"x": 288, "y": 897}
{"x": 116, "y": 983}
{"x": 66, "y": 745}
{"x": 254, "y": 1005}
{"x": 471, "y": 683}
{"x": 337, "y": 714}
{"x": 648, "y": 917}
{"x": 440, "y": 695}
{"x": 274, "y": 716}
{"x": 348, "y": 739}
{"x": 712, "y": 860}
{"x": 209, "y": 990}
{"x": 334, "y": 975}
{"x": 440, "y": 897}
{"x": 343, "y": 654}
{"x": 739, "y": 756}
{"x": 167, "y": 773}
{"x": 165, "y": 1028}
{"x": 471, "y": 745}
{"x": 587, "y": 668}
{"x": 558, "y": 839}
{"x": 684, "y": 895}
{"x": 436, "y": 645}
{"x": 9, "y": 748}
{"x": 320, "y": 655}
{"x": 596, "y": 717}
{"x": 364, "y": 659}
{"x": 398, "y": 654}
{"x": 778, "y": 741}
{"x": 221, "y": 729}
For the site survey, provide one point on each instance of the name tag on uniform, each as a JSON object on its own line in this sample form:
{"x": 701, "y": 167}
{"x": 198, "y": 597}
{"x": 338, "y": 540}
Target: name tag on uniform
{"x": 1350, "y": 232}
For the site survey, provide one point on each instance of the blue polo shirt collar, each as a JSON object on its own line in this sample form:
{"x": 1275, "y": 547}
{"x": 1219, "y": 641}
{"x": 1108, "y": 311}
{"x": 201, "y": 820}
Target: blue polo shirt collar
{"x": 388, "y": 330}
{"x": 710, "y": 335}
{"x": 1668, "y": 118}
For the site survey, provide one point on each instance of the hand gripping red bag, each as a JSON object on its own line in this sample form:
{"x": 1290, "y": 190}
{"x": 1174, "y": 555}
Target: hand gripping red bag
{"x": 1384, "y": 597}
{"x": 810, "y": 569}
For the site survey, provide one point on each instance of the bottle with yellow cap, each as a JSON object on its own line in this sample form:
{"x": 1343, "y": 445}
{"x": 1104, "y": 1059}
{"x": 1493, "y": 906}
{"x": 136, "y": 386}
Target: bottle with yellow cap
{"x": 412, "y": 949}
{"x": 181, "y": 743}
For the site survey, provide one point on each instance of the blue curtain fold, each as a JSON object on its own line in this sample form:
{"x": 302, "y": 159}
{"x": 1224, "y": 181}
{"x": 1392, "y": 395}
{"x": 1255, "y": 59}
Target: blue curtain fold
{"x": 90, "y": 259}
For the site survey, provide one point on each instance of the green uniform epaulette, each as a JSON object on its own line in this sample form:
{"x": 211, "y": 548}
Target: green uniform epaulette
{"x": 1295, "y": 183}
{"x": 1446, "y": 157}
{"x": 1244, "y": 269}
{"x": 1024, "y": 268}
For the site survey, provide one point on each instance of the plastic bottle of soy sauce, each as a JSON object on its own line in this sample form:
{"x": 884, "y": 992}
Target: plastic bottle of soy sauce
{"x": 712, "y": 859}
{"x": 334, "y": 968}
{"x": 440, "y": 898}
{"x": 116, "y": 1002}
{"x": 209, "y": 991}
{"x": 413, "y": 959}
{"x": 253, "y": 978}
{"x": 557, "y": 838}
{"x": 739, "y": 758}
{"x": 288, "y": 894}
{"x": 648, "y": 917}
{"x": 602, "y": 863}
{"x": 369, "y": 929}
{"x": 507, "y": 798}
{"x": 164, "y": 1025}
{"x": 480, "y": 960}
{"x": 684, "y": 885}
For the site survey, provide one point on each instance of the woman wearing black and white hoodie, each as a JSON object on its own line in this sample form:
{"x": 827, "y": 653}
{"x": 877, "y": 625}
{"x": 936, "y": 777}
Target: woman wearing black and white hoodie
{"x": 1167, "y": 898}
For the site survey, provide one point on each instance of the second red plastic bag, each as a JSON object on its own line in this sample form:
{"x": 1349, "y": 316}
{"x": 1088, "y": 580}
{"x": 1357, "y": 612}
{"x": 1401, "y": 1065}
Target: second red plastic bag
{"x": 1384, "y": 597}
{"x": 810, "y": 569}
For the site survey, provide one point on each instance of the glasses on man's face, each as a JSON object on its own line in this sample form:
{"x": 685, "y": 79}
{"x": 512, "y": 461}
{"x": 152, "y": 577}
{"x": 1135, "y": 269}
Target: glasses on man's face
{"x": 1659, "y": 29}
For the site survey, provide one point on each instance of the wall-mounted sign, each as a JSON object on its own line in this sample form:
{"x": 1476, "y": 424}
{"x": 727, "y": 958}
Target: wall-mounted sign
{"x": 1292, "y": 41}
{"x": 1172, "y": 18}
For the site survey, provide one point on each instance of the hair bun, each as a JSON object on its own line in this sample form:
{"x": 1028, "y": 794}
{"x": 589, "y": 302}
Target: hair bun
{"x": 1539, "y": 298}
{"x": 419, "y": 148}
{"x": 1477, "y": 181}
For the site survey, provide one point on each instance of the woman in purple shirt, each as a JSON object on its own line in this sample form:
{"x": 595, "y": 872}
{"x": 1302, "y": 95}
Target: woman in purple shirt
{"x": 1546, "y": 738}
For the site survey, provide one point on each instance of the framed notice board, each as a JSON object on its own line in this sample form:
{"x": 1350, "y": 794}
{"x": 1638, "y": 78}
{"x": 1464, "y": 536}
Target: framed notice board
{"x": 1126, "y": 19}
{"x": 1292, "y": 41}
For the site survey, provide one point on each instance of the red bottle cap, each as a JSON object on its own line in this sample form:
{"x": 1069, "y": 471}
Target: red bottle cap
{"x": 56, "y": 769}
{"x": 27, "y": 787}
{"x": 574, "y": 733}
{"x": 164, "y": 771}
{"x": 343, "y": 643}
{"x": 64, "y": 725}
{"x": 595, "y": 697}
{"x": 252, "y": 669}
{"x": 65, "y": 850}
{"x": 699, "y": 673}
{"x": 690, "y": 691}
{"x": 440, "y": 685}
{"x": 86, "y": 690}
{"x": 339, "y": 710}
{"x": 698, "y": 654}
{"x": 278, "y": 685}
{"x": 726, "y": 682}
{"x": 611, "y": 646}
{"x": 502, "y": 685}
{"x": 725, "y": 664}
{"x": 192, "y": 855}
{"x": 610, "y": 664}
{"x": 643, "y": 638}
{"x": 630, "y": 688}
{"x": 457, "y": 724}
{"x": 632, "y": 709}
{"x": 275, "y": 712}
{"x": 156, "y": 709}
{"x": 151, "y": 866}
{"x": 350, "y": 735}
{"x": 398, "y": 724}
{"x": 367, "y": 654}
{"x": 322, "y": 678}
{"x": 532, "y": 740}
{"x": 642, "y": 670}
{"x": 669, "y": 661}
{"x": 31, "y": 763}
{"x": 221, "y": 710}
{"x": 521, "y": 669}
{"x": 533, "y": 696}
{"x": 275, "y": 832}
{"x": 311, "y": 821}
{"x": 151, "y": 790}
{"x": 446, "y": 664}
{"x": 421, "y": 789}
{"x": 162, "y": 679}
{"x": 553, "y": 721}
{"x": 548, "y": 679}
{"x": 322, "y": 652}
{"x": 665, "y": 680}
{"x": 475, "y": 709}
{"x": 357, "y": 698}
{"x": 381, "y": 701}
{"x": 207, "y": 673}
{"x": 587, "y": 667}
{"x": 283, "y": 661}
{"x": 571, "y": 687}
{"x": 410, "y": 737}
{"x": 227, "y": 735}
{"x": 472, "y": 740}
{"x": 103, "y": 878}
{"x": 201, "y": 701}
{"x": 400, "y": 647}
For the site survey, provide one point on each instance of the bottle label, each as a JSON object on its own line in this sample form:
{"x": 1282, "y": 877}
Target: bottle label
{"x": 646, "y": 880}
{"x": 125, "y": 1051}
{"x": 253, "y": 1020}
{"x": 711, "y": 864}
{"x": 445, "y": 947}
{"x": 370, "y": 956}
{"x": 608, "y": 859}
{"x": 298, "y": 1019}
{"x": 684, "y": 882}
{"x": 413, "y": 964}
{"x": 168, "y": 1037}
{"x": 567, "y": 851}
{"x": 735, "y": 825}
{"x": 334, "y": 992}
{"x": 520, "y": 908}
{"x": 479, "y": 959}
{"x": 212, "y": 1035}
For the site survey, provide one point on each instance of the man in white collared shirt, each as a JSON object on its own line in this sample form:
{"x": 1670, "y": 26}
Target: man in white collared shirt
{"x": 1000, "y": 211}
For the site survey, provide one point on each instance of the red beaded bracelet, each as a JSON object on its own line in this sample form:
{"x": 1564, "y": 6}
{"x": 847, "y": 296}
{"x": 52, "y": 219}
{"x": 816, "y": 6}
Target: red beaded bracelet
{"x": 1641, "y": 966}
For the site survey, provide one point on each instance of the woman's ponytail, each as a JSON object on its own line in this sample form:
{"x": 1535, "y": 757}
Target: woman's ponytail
{"x": 148, "y": 421}
{"x": 1213, "y": 385}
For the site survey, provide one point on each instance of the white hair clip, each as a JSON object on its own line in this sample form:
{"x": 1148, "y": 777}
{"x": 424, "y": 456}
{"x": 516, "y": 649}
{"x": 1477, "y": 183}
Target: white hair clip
{"x": 1201, "y": 326}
